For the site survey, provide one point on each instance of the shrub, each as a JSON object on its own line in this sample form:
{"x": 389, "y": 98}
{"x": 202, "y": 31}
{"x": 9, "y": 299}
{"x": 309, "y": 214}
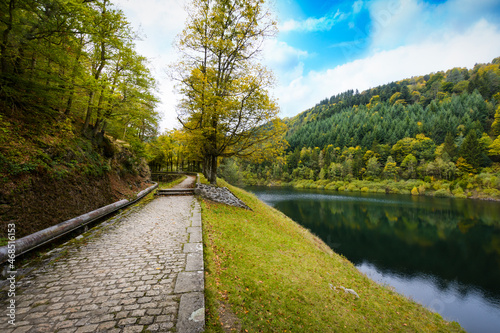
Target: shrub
{"x": 351, "y": 188}
{"x": 491, "y": 192}
{"x": 331, "y": 186}
{"x": 414, "y": 191}
{"x": 442, "y": 193}
{"x": 421, "y": 189}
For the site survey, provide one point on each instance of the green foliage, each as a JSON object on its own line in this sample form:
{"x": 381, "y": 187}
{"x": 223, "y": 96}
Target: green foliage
{"x": 390, "y": 169}
{"x": 495, "y": 126}
{"x": 494, "y": 148}
{"x": 433, "y": 105}
{"x": 372, "y": 167}
{"x": 471, "y": 150}
{"x": 74, "y": 61}
{"x": 229, "y": 171}
{"x": 442, "y": 193}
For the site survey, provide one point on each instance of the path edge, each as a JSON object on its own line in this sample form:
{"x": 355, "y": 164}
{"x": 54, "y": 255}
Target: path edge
{"x": 191, "y": 315}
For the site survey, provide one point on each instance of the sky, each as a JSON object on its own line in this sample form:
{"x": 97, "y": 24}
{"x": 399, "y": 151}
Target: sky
{"x": 326, "y": 47}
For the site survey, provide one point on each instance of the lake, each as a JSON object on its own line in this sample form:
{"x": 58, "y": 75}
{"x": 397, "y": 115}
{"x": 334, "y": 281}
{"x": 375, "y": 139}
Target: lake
{"x": 443, "y": 253}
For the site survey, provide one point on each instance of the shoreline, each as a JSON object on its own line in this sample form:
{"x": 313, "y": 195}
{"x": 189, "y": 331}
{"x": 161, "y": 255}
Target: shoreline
{"x": 383, "y": 187}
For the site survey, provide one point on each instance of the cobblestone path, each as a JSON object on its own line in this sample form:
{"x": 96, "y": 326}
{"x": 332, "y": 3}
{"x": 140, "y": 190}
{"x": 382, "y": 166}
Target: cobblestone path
{"x": 140, "y": 272}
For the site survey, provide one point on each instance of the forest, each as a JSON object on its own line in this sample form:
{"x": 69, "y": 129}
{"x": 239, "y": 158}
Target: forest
{"x": 69, "y": 77}
{"x": 437, "y": 133}
{"x": 75, "y": 60}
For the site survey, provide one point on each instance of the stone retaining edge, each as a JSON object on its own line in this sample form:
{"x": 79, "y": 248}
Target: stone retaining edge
{"x": 191, "y": 282}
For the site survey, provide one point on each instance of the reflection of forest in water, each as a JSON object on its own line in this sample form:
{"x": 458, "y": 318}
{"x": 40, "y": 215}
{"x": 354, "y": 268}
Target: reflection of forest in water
{"x": 452, "y": 240}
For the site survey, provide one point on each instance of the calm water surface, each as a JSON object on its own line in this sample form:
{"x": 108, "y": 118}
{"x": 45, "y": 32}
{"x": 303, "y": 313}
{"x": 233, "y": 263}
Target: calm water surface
{"x": 443, "y": 253}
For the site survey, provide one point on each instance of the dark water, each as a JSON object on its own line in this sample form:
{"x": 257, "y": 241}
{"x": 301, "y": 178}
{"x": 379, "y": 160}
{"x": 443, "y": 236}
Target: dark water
{"x": 443, "y": 253}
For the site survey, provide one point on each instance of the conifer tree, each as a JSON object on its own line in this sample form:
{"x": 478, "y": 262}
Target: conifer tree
{"x": 471, "y": 150}
{"x": 449, "y": 146}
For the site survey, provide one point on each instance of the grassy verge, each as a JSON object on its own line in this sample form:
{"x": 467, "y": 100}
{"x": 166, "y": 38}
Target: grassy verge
{"x": 265, "y": 273}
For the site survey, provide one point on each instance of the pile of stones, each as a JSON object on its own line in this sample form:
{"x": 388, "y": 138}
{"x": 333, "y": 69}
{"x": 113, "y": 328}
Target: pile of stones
{"x": 219, "y": 194}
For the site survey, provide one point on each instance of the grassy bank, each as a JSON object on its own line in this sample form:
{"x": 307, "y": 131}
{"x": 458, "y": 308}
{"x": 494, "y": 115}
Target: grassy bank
{"x": 265, "y": 273}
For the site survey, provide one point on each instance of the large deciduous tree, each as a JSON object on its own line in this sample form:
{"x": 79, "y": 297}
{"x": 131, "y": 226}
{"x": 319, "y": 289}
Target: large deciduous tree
{"x": 226, "y": 108}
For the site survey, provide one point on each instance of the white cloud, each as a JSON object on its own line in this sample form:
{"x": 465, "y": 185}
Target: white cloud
{"x": 481, "y": 43}
{"x": 286, "y": 61}
{"x": 357, "y": 6}
{"x": 402, "y": 22}
{"x": 312, "y": 24}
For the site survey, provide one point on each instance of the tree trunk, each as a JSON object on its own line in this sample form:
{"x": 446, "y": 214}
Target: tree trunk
{"x": 213, "y": 174}
{"x": 210, "y": 171}
{"x": 99, "y": 118}
{"x": 89, "y": 112}
{"x": 74, "y": 72}
{"x": 5, "y": 39}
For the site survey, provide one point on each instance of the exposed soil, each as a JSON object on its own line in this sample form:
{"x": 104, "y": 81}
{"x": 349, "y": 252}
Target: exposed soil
{"x": 229, "y": 321}
{"x": 42, "y": 201}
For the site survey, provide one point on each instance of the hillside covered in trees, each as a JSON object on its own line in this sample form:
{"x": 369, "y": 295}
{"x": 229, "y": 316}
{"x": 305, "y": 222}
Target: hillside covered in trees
{"x": 441, "y": 128}
{"x": 77, "y": 106}
{"x": 452, "y": 102}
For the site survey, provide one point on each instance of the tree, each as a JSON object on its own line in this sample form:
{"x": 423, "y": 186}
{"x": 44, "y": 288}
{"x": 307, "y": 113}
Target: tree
{"x": 449, "y": 146}
{"x": 402, "y": 148}
{"x": 423, "y": 147}
{"x": 494, "y": 148}
{"x": 454, "y": 76}
{"x": 464, "y": 167}
{"x": 110, "y": 34}
{"x": 409, "y": 166}
{"x": 495, "y": 127}
{"x": 226, "y": 107}
{"x": 471, "y": 150}
{"x": 390, "y": 169}
{"x": 372, "y": 167}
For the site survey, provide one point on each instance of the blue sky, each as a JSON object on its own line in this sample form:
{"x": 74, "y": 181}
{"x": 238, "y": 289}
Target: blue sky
{"x": 326, "y": 47}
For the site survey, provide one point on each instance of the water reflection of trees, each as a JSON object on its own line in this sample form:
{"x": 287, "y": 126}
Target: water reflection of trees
{"x": 454, "y": 240}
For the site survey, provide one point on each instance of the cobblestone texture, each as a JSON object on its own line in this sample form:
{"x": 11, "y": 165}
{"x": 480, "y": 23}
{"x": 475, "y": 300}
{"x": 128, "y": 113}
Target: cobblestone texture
{"x": 120, "y": 280}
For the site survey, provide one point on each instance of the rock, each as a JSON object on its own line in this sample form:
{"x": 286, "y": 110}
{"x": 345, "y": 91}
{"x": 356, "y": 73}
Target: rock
{"x": 350, "y": 291}
{"x": 219, "y": 194}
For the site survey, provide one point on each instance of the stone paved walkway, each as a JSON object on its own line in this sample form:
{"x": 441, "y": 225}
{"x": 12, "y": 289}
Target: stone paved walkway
{"x": 143, "y": 272}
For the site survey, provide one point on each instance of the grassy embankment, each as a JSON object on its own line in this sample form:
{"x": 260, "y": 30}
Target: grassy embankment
{"x": 265, "y": 273}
